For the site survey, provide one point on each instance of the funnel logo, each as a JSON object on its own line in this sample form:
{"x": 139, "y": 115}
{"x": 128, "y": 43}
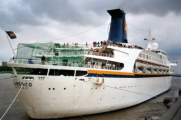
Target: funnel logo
{"x": 125, "y": 28}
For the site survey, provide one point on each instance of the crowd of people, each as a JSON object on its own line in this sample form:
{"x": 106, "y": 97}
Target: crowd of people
{"x": 112, "y": 43}
{"x": 57, "y": 45}
{"x": 105, "y": 53}
{"x": 103, "y": 65}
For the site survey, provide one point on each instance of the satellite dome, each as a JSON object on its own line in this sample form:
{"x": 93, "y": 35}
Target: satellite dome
{"x": 154, "y": 46}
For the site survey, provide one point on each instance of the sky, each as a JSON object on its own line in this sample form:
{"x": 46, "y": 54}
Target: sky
{"x": 47, "y": 20}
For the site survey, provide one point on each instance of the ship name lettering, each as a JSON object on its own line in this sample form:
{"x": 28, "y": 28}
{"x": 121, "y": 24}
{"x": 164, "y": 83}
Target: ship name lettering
{"x": 22, "y": 85}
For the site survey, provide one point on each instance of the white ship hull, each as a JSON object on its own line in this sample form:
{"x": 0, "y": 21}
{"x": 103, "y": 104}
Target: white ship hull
{"x": 57, "y": 97}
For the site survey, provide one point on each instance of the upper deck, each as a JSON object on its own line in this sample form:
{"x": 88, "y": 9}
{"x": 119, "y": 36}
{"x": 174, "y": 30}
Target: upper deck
{"x": 117, "y": 56}
{"x": 65, "y": 54}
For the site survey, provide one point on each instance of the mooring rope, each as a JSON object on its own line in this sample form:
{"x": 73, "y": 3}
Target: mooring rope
{"x": 12, "y": 102}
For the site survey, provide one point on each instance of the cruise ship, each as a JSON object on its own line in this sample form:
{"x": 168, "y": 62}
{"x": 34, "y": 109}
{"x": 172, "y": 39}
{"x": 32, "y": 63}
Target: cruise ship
{"x": 66, "y": 80}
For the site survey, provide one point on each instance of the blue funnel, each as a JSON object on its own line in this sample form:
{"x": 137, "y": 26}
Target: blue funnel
{"x": 118, "y": 26}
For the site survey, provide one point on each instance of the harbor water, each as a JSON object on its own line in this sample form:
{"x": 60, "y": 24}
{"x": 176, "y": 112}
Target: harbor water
{"x": 137, "y": 112}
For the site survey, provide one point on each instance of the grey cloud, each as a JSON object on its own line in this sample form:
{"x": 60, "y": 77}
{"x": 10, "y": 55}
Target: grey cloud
{"x": 89, "y": 12}
{"x": 157, "y": 7}
{"x": 13, "y": 15}
{"x": 63, "y": 11}
{"x": 84, "y": 12}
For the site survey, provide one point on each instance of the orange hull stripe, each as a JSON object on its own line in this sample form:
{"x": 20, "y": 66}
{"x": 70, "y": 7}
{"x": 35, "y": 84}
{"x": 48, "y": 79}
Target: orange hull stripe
{"x": 121, "y": 73}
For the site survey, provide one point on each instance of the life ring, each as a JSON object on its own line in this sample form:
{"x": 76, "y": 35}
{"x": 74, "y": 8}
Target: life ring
{"x": 95, "y": 53}
{"x": 97, "y": 80}
{"x": 96, "y": 66}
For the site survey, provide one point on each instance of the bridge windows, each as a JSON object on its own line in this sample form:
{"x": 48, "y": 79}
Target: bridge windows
{"x": 31, "y": 71}
{"x": 56, "y": 72}
{"x": 81, "y": 73}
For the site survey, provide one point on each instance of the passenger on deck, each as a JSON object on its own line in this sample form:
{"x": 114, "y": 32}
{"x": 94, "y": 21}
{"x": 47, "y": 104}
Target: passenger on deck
{"x": 43, "y": 60}
{"x": 57, "y": 74}
{"x": 104, "y": 42}
{"x": 93, "y": 63}
{"x": 102, "y": 65}
{"x": 89, "y": 64}
{"x": 86, "y": 44}
{"x": 113, "y": 66}
{"x": 101, "y": 43}
{"x": 107, "y": 65}
{"x": 94, "y": 44}
{"x": 111, "y": 43}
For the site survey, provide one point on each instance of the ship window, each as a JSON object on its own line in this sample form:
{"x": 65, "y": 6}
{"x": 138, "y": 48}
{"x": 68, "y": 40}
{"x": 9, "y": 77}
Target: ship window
{"x": 81, "y": 73}
{"x": 160, "y": 57}
{"x": 143, "y": 55}
{"x": 56, "y": 72}
{"x": 147, "y": 57}
{"x": 140, "y": 55}
{"x": 31, "y": 71}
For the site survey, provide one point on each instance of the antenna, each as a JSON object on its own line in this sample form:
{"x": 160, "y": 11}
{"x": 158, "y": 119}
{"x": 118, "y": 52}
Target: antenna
{"x": 149, "y": 47}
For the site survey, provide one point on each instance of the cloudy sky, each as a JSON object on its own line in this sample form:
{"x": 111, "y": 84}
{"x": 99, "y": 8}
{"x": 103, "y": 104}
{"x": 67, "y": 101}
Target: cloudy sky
{"x": 47, "y": 20}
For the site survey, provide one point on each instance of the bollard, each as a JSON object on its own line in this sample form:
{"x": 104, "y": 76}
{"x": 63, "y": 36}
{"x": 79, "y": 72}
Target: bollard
{"x": 180, "y": 92}
{"x": 167, "y": 100}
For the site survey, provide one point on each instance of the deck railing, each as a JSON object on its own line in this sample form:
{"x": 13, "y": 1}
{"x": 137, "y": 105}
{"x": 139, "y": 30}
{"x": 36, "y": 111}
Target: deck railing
{"x": 48, "y": 62}
{"x": 60, "y": 54}
{"x": 70, "y": 64}
{"x": 99, "y": 54}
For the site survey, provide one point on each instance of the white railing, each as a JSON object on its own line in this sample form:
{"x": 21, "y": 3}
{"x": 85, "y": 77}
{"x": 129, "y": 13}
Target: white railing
{"x": 61, "y": 54}
{"x": 48, "y": 62}
{"x": 99, "y": 54}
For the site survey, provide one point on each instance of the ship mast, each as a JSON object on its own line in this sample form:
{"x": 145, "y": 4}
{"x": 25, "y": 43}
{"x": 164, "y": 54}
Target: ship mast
{"x": 149, "y": 41}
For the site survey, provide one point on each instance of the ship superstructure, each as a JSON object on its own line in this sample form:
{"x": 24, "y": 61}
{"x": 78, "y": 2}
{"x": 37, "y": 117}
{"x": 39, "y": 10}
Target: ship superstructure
{"x": 63, "y": 80}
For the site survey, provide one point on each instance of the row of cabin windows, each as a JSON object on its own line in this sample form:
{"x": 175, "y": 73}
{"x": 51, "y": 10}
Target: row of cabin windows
{"x": 159, "y": 58}
{"x": 52, "y": 72}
